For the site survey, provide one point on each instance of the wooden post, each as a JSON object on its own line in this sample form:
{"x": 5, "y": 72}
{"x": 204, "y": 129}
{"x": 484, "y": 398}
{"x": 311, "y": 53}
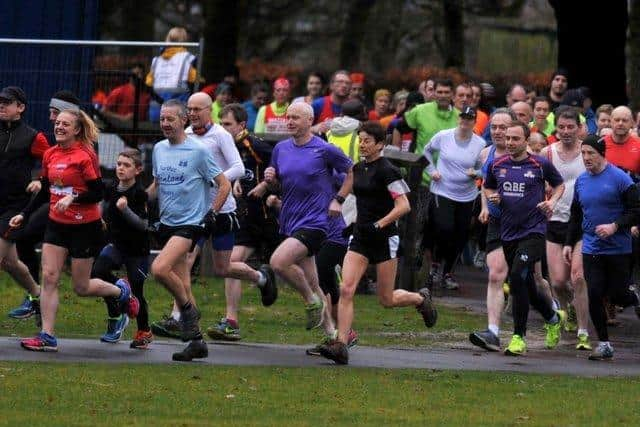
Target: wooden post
{"x": 409, "y": 225}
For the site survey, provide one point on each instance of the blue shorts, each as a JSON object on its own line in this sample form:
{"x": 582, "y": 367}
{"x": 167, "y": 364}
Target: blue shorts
{"x": 223, "y": 238}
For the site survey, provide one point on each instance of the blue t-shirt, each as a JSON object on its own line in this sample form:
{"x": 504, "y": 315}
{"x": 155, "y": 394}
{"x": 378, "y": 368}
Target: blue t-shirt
{"x": 521, "y": 186}
{"x": 318, "y": 106}
{"x": 601, "y": 199}
{"x": 252, "y": 114}
{"x": 306, "y": 175}
{"x": 184, "y": 173}
{"x": 494, "y": 210}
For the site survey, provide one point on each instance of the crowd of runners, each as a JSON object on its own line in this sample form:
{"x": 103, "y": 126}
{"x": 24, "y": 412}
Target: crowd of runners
{"x": 542, "y": 189}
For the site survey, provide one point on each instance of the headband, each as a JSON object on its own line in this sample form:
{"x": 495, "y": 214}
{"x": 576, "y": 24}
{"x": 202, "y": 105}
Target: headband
{"x": 60, "y": 105}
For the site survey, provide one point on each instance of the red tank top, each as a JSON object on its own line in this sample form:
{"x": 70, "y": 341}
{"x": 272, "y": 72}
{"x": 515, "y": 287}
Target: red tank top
{"x": 274, "y": 123}
{"x": 327, "y": 110}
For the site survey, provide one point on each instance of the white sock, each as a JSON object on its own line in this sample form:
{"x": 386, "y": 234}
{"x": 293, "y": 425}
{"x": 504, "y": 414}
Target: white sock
{"x": 263, "y": 279}
{"x": 605, "y": 343}
{"x": 495, "y": 330}
{"x": 583, "y": 332}
{"x": 176, "y": 314}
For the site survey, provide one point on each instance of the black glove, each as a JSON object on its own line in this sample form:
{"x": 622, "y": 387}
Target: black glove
{"x": 209, "y": 223}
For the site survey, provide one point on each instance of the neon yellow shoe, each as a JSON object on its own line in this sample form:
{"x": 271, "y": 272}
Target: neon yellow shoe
{"x": 583, "y": 342}
{"x": 572, "y": 320}
{"x": 506, "y": 289}
{"x": 517, "y": 346}
{"x": 552, "y": 337}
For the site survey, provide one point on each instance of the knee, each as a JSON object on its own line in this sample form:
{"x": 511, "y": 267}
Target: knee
{"x": 9, "y": 264}
{"x": 160, "y": 269}
{"x": 577, "y": 277}
{"x": 81, "y": 288}
{"x": 347, "y": 291}
{"x": 497, "y": 278}
{"x": 277, "y": 264}
{"x": 50, "y": 277}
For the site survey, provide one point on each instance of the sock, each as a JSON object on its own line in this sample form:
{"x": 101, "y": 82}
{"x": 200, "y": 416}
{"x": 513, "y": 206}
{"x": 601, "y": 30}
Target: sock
{"x": 583, "y": 332}
{"x": 555, "y": 319}
{"x": 262, "y": 280}
{"x": 186, "y": 307}
{"x": 494, "y": 330}
{"x": 605, "y": 343}
{"x": 233, "y": 323}
{"x": 315, "y": 299}
{"x": 175, "y": 314}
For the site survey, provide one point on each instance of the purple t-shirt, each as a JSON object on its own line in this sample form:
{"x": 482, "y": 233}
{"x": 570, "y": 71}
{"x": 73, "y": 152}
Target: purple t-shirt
{"x": 521, "y": 186}
{"x": 306, "y": 175}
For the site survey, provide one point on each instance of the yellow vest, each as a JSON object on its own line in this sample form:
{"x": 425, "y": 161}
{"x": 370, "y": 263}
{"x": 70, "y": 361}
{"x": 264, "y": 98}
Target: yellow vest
{"x": 347, "y": 143}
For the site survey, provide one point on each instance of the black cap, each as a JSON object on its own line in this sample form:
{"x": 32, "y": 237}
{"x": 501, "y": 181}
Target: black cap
{"x": 560, "y": 71}
{"x": 355, "y": 109}
{"x": 468, "y": 112}
{"x": 573, "y": 98}
{"x": 13, "y": 93}
{"x": 596, "y": 142}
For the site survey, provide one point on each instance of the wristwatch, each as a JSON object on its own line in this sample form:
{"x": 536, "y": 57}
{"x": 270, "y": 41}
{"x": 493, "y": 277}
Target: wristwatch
{"x": 338, "y": 198}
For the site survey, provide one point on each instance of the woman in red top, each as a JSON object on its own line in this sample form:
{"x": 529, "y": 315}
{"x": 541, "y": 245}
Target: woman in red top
{"x": 72, "y": 184}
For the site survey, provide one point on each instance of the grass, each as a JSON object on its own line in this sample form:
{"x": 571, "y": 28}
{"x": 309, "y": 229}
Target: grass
{"x": 281, "y": 323}
{"x": 99, "y": 395}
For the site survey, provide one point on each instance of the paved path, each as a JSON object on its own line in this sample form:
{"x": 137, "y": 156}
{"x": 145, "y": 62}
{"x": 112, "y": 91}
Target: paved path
{"x": 536, "y": 361}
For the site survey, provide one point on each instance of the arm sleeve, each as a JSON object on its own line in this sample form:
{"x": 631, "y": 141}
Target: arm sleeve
{"x": 231, "y": 154}
{"x": 259, "y": 126}
{"x": 631, "y": 214}
{"x": 94, "y": 193}
{"x": 392, "y": 178}
{"x": 39, "y": 145}
{"x": 433, "y": 146}
{"x": 134, "y": 220}
{"x": 40, "y": 199}
{"x": 551, "y": 174}
{"x": 574, "y": 232}
{"x": 410, "y": 118}
{"x": 490, "y": 179}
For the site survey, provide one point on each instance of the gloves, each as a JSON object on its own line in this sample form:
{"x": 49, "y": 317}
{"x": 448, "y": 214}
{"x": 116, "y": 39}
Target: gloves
{"x": 209, "y": 223}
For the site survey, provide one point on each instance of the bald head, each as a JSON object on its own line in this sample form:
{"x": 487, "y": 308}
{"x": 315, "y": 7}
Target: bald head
{"x": 200, "y": 99}
{"x": 523, "y": 111}
{"x": 516, "y": 93}
{"x": 621, "y": 123}
{"x": 301, "y": 109}
{"x": 299, "y": 121}
{"x": 622, "y": 110}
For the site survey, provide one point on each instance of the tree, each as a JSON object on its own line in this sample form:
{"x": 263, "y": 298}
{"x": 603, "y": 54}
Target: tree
{"x": 634, "y": 54}
{"x": 355, "y": 28}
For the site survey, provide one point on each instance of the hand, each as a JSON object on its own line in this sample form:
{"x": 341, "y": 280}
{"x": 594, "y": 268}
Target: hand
{"x": 237, "y": 189}
{"x": 546, "y": 207}
{"x": 273, "y": 201}
{"x": 436, "y": 176}
{"x": 34, "y": 186}
{"x": 16, "y": 221}
{"x": 494, "y": 198}
{"x": 605, "y": 230}
{"x": 258, "y": 191}
{"x": 121, "y": 203}
{"x": 62, "y": 204}
{"x": 335, "y": 208}
{"x": 484, "y": 216}
{"x": 322, "y": 127}
{"x": 270, "y": 175}
{"x": 471, "y": 173}
{"x": 635, "y": 232}
{"x": 209, "y": 222}
{"x": 567, "y": 254}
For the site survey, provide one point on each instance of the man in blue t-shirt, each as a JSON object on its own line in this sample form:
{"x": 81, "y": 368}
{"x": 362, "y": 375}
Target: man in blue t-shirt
{"x": 517, "y": 183}
{"x": 183, "y": 172}
{"x": 304, "y": 167}
{"x": 605, "y": 205}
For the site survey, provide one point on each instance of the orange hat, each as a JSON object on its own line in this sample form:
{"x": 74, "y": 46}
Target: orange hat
{"x": 357, "y": 78}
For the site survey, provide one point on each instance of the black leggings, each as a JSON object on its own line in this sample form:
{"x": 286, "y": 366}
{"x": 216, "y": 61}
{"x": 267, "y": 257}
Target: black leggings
{"x": 28, "y": 237}
{"x": 521, "y": 256}
{"x": 331, "y": 254}
{"x": 450, "y": 223}
{"x": 607, "y": 276}
{"x": 137, "y": 268}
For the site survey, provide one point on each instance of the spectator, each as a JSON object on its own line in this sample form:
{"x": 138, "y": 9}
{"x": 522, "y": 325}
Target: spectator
{"x": 381, "y": 101}
{"x": 315, "y": 85}
{"x": 357, "y": 86}
{"x": 121, "y": 101}
{"x": 223, "y": 96}
{"x": 271, "y": 117}
{"x": 259, "y": 97}
{"x": 603, "y": 118}
{"x": 559, "y": 84}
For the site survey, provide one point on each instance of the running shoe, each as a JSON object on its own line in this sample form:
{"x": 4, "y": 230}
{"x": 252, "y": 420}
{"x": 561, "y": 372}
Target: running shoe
{"x": 583, "y": 342}
{"x": 449, "y": 282}
{"x": 352, "y": 339}
{"x": 129, "y": 304}
{"x": 269, "y": 290}
{"x": 572, "y": 320}
{"x": 427, "y": 309}
{"x": 115, "y": 328}
{"x": 517, "y": 346}
{"x": 602, "y": 352}
{"x": 486, "y": 340}
{"x": 479, "y": 260}
{"x": 315, "y": 314}
{"x": 336, "y": 351}
{"x": 553, "y": 330}
{"x": 434, "y": 277}
{"x": 189, "y": 320}
{"x": 224, "y": 331}
{"x": 30, "y": 306}
{"x": 315, "y": 350}
{"x": 41, "y": 342}
{"x": 167, "y": 327}
{"x": 141, "y": 340}
{"x": 196, "y": 349}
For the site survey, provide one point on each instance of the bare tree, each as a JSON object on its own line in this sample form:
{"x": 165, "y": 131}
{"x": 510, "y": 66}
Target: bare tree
{"x": 634, "y": 54}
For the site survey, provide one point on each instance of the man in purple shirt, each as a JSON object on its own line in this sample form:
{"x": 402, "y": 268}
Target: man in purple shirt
{"x": 304, "y": 167}
{"x": 516, "y": 182}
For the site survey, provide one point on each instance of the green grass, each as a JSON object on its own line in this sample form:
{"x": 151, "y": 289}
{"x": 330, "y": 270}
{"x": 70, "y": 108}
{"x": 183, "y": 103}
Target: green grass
{"x": 99, "y": 395}
{"x": 281, "y": 323}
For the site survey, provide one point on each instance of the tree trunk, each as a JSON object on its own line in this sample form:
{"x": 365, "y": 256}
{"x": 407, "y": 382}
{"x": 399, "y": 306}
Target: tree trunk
{"x": 221, "y": 29}
{"x": 453, "y": 18}
{"x": 576, "y": 40}
{"x": 634, "y": 55}
{"x": 356, "y": 25}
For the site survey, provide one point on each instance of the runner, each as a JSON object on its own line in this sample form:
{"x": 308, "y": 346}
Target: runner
{"x": 304, "y": 167}
{"x": 71, "y": 183}
{"x": 567, "y": 280}
{"x": 271, "y": 117}
{"x": 126, "y": 219}
{"x": 381, "y": 198}
{"x": 517, "y": 183}
{"x": 605, "y": 205}
{"x": 183, "y": 171}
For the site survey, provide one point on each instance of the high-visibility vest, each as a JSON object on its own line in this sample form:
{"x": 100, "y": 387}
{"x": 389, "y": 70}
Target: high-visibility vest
{"x": 172, "y": 75}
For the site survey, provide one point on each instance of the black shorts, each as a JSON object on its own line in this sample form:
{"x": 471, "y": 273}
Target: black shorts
{"x": 311, "y": 238}
{"x": 528, "y": 250}
{"x": 376, "y": 249}
{"x": 493, "y": 234}
{"x": 330, "y": 257}
{"x": 81, "y": 240}
{"x": 191, "y": 232}
{"x": 557, "y": 232}
{"x": 5, "y": 230}
{"x": 258, "y": 232}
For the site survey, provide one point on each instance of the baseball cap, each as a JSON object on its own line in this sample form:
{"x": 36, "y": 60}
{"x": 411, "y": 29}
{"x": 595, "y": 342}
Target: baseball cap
{"x": 468, "y": 112}
{"x": 13, "y": 93}
{"x": 573, "y": 98}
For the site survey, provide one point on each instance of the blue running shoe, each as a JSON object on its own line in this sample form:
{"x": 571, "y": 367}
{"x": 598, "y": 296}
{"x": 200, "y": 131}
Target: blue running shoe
{"x": 28, "y": 308}
{"x": 115, "y": 329}
{"x": 41, "y": 342}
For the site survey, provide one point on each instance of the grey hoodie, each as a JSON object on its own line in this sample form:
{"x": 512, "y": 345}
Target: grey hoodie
{"x": 344, "y": 125}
